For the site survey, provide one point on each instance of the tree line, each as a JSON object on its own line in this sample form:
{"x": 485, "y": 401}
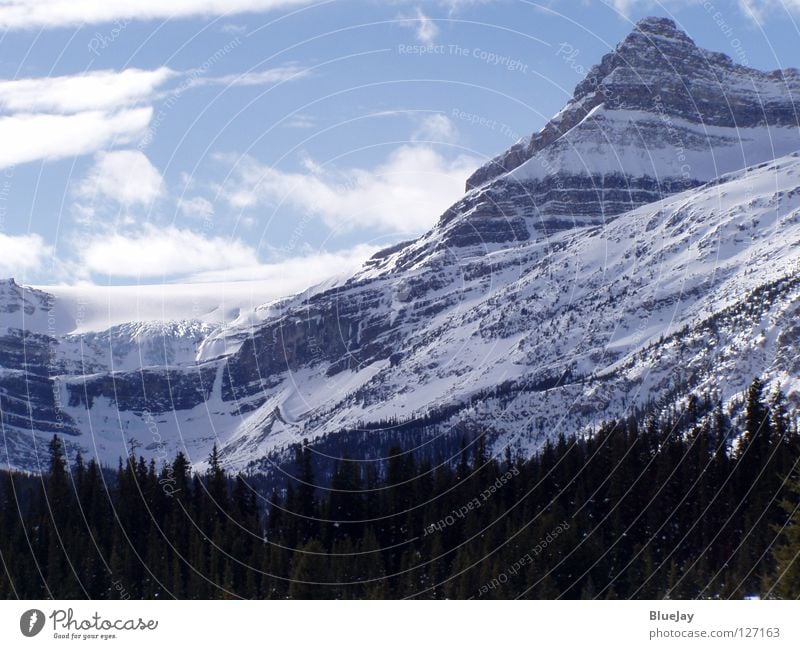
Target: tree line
{"x": 683, "y": 504}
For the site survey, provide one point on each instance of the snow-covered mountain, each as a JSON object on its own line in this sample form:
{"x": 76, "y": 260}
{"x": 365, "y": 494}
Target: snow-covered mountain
{"x": 644, "y": 244}
{"x": 657, "y": 113}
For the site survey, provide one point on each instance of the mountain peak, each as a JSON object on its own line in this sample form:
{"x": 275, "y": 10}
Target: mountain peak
{"x": 654, "y": 52}
{"x": 658, "y": 77}
{"x": 659, "y": 26}
{"x": 656, "y": 40}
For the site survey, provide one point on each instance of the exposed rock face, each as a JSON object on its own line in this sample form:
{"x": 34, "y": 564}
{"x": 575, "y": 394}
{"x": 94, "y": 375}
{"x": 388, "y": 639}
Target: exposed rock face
{"x": 154, "y": 390}
{"x": 22, "y": 307}
{"x": 658, "y": 68}
{"x": 28, "y": 394}
{"x": 657, "y": 93}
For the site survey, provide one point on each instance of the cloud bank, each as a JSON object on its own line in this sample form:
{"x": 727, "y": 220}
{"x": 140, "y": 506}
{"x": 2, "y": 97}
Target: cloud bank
{"x": 21, "y": 254}
{"x": 404, "y": 194}
{"x": 33, "y": 14}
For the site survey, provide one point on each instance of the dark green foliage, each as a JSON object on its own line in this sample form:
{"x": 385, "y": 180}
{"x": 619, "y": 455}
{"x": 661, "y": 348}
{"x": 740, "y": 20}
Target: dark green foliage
{"x": 686, "y": 504}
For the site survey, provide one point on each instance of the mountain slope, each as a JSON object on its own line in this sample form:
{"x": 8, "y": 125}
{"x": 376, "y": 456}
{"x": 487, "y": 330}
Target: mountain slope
{"x": 575, "y": 330}
{"x": 645, "y": 243}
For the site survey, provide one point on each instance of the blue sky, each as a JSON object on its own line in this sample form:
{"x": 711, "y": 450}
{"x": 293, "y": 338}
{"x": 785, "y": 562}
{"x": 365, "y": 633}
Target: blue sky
{"x": 285, "y": 140}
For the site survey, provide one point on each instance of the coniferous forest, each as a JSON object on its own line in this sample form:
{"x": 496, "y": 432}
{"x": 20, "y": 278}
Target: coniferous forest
{"x": 685, "y": 504}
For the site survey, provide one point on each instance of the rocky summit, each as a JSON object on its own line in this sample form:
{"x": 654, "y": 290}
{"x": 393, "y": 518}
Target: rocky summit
{"x": 656, "y": 116}
{"x": 604, "y": 265}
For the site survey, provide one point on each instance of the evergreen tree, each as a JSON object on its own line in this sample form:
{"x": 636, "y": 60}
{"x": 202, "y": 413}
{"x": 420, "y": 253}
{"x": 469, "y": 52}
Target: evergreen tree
{"x": 786, "y": 584}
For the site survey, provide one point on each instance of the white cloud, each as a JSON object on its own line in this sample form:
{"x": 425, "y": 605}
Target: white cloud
{"x": 272, "y": 76}
{"x": 435, "y": 128}
{"x": 174, "y": 252}
{"x": 426, "y": 29}
{"x": 22, "y": 253}
{"x": 26, "y": 137}
{"x": 406, "y": 193}
{"x": 758, "y": 10}
{"x": 454, "y": 6}
{"x": 196, "y": 207}
{"x": 101, "y": 90}
{"x": 238, "y": 290}
{"x": 300, "y": 120}
{"x": 624, "y": 6}
{"x": 154, "y": 252}
{"x": 296, "y": 273}
{"x": 27, "y": 14}
{"x": 126, "y": 177}
{"x": 56, "y": 117}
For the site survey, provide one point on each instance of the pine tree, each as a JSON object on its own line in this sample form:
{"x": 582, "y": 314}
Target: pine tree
{"x": 786, "y": 584}
{"x": 310, "y": 573}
